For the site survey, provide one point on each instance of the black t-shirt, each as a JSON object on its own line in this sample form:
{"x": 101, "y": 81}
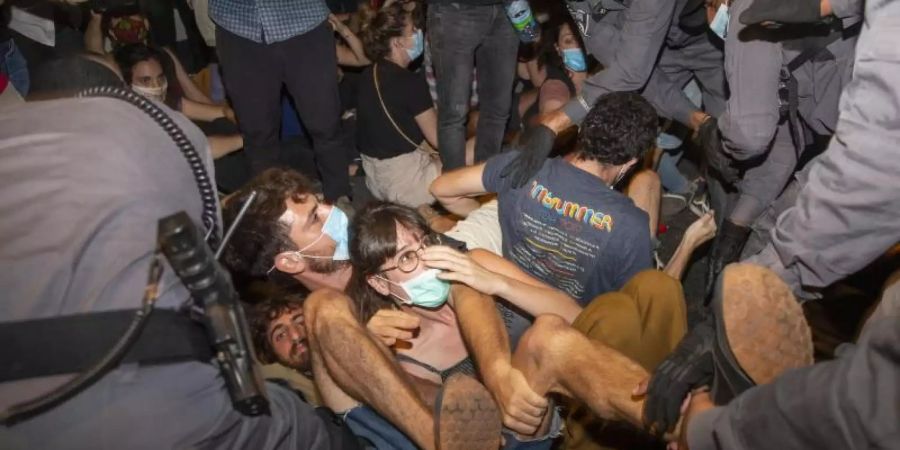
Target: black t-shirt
{"x": 405, "y": 96}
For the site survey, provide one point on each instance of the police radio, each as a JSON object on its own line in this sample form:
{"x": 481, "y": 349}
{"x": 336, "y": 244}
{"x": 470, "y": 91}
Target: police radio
{"x": 222, "y": 316}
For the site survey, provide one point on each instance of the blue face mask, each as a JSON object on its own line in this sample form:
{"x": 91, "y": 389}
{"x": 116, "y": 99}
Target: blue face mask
{"x": 335, "y": 227}
{"x": 573, "y": 58}
{"x": 425, "y": 290}
{"x": 719, "y": 24}
{"x": 418, "y": 45}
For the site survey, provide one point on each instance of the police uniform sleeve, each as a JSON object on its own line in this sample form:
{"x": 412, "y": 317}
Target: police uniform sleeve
{"x": 641, "y": 38}
{"x": 846, "y": 214}
{"x": 849, "y": 403}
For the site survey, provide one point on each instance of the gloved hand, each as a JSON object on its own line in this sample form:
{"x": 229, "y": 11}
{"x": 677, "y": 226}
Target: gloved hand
{"x": 536, "y": 145}
{"x": 793, "y": 11}
{"x": 688, "y": 367}
{"x": 726, "y": 249}
{"x": 709, "y": 139}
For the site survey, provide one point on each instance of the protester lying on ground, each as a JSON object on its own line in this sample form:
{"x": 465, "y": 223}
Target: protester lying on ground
{"x": 279, "y": 336}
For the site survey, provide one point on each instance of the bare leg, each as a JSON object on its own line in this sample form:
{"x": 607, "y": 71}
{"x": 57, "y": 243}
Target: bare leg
{"x": 557, "y": 358}
{"x": 343, "y": 351}
{"x": 645, "y": 190}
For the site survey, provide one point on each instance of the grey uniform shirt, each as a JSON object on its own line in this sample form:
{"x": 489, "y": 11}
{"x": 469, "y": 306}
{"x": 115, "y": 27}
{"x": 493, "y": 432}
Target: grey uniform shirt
{"x": 82, "y": 185}
{"x": 626, "y": 40}
{"x": 847, "y": 212}
{"x": 643, "y": 48}
{"x": 754, "y": 57}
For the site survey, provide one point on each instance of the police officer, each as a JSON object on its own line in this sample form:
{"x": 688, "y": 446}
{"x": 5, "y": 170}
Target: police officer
{"x": 784, "y": 86}
{"x": 651, "y": 46}
{"x": 817, "y": 112}
{"x": 81, "y": 195}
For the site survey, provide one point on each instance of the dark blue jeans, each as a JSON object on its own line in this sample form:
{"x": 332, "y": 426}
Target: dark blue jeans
{"x": 461, "y": 37}
{"x": 14, "y": 66}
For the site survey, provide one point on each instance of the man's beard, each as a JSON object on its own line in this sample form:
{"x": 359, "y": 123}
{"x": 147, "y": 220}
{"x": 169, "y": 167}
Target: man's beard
{"x": 325, "y": 265}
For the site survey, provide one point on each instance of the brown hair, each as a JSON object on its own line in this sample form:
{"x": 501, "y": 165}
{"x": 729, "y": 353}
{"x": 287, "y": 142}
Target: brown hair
{"x": 388, "y": 23}
{"x": 261, "y": 314}
{"x": 374, "y": 241}
{"x": 261, "y": 236}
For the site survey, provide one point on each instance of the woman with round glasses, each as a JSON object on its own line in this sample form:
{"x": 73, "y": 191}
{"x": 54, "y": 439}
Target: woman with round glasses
{"x": 397, "y": 279}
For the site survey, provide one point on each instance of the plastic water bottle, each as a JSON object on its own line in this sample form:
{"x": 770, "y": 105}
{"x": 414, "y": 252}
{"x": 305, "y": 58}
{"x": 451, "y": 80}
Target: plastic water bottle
{"x": 519, "y": 13}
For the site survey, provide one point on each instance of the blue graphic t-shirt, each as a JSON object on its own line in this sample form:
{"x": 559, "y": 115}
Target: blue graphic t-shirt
{"x": 569, "y": 229}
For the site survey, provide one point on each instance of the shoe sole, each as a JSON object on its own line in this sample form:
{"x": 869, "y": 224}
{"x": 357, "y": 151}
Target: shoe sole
{"x": 765, "y": 326}
{"x": 466, "y": 416}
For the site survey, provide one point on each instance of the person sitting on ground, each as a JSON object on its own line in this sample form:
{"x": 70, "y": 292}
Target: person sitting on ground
{"x": 147, "y": 70}
{"x": 126, "y": 27}
{"x": 566, "y": 67}
{"x": 396, "y": 119}
{"x": 568, "y": 227}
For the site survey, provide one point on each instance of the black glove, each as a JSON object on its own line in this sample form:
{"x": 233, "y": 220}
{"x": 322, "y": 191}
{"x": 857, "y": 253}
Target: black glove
{"x": 726, "y": 249}
{"x": 781, "y": 11}
{"x": 535, "y": 146}
{"x": 688, "y": 367}
{"x": 709, "y": 139}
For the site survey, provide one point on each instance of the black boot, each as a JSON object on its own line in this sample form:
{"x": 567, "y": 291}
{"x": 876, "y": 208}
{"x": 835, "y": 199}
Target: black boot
{"x": 725, "y": 250}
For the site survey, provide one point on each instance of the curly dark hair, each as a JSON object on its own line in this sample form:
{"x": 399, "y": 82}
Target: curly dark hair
{"x": 260, "y": 236}
{"x": 373, "y": 241}
{"x": 620, "y": 126}
{"x": 388, "y": 23}
{"x": 262, "y": 313}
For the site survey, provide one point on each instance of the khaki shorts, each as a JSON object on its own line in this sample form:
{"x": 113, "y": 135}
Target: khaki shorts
{"x": 403, "y": 179}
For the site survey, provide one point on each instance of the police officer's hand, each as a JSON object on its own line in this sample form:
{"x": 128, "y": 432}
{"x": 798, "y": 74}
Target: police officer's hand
{"x": 709, "y": 139}
{"x": 535, "y": 146}
{"x": 688, "y": 367}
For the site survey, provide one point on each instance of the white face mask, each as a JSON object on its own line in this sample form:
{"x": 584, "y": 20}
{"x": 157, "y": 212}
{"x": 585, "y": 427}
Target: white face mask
{"x": 153, "y": 93}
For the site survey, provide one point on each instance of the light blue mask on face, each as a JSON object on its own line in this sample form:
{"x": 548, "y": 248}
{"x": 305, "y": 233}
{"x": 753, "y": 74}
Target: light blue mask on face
{"x": 425, "y": 290}
{"x": 418, "y": 45}
{"x": 335, "y": 227}
{"x": 573, "y": 58}
{"x": 719, "y": 24}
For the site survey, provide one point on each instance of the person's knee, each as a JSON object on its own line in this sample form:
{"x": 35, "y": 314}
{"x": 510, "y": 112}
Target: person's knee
{"x": 655, "y": 278}
{"x": 548, "y": 335}
{"x": 646, "y": 180}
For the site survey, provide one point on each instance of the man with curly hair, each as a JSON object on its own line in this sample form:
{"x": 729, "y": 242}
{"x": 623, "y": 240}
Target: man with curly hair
{"x": 567, "y": 226}
{"x": 278, "y": 333}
